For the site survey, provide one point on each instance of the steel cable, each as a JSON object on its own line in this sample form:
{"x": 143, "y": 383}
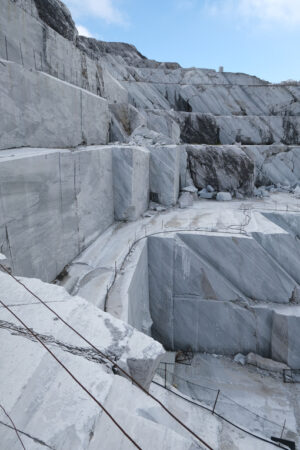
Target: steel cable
{"x": 106, "y": 357}
{"x": 218, "y": 415}
{"x": 14, "y": 426}
{"x": 72, "y": 376}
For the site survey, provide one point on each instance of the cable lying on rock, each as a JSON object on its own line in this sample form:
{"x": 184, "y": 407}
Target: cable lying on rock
{"x": 71, "y": 375}
{"x": 115, "y": 365}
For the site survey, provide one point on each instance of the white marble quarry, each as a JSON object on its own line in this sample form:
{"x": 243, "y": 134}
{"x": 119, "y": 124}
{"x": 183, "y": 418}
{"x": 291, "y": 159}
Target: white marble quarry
{"x": 164, "y": 173}
{"x": 220, "y": 277}
{"x": 131, "y": 181}
{"x": 54, "y": 203}
{"x": 40, "y": 111}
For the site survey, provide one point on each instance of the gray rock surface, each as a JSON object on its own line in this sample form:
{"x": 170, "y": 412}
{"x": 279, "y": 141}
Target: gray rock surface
{"x": 225, "y": 168}
{"x": 131, "y": 181}
{"x": 223, "y": 197}
{"x": 285, "y": 337}
{"x": 207, "y": 195}
{"x": 275, "y": 164}
{"x": 55, "y": 14}
{"x": 164, "y": 173}
{"x": 211, "y": 281}
{"x": 53, "y": 204}
{"x": 265, "y": 363}
{"x": 185, "y": 200}
{"x": 40, "y": 111}
{"x": 195, "y": 105}
{"x": 240, "y": 359}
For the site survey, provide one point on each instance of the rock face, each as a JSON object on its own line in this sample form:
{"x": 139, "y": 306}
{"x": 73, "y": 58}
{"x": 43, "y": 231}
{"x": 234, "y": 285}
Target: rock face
{"x": 42, "y": 111}
{"x": 53, "y": 205}
{"x": 275, "y": 164}
{"x": 164, "y": 173}
{"x": 131, "y": 181}
{"x": 225, "y": 168}
{"x": 55, "y": 14}
{"x": 218, "y": 284}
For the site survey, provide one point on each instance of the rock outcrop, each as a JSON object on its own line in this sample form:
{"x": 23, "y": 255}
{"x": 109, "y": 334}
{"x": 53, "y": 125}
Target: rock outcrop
{"x": 224, "y": 168}
{"x": 57, "y": 16}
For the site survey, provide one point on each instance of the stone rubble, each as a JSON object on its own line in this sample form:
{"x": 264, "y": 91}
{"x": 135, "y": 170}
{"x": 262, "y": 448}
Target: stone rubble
{"x": 185, "y": 200}
{"x": 223, "y": 196}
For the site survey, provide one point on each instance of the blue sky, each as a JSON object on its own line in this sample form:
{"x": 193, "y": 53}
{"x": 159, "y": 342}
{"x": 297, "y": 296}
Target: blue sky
{"x": 259, "y": 37}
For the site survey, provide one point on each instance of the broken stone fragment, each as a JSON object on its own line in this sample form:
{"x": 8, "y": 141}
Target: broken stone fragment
{"x": 205, "y": 194}
{"x": 185, "y": 200}
{"x": 4, "y": 262}
{"x": 240, "y": 359}
{"x": 261, "y": 192}
{"x": 265, "y": 363}
{"x": 209, "y": 188}
{"x": 297, "y": 190}
{"x": 238, "y": 195}
{"x": 153, "y": 206}
{"x": 295, "y": 298}
{"x": 148, "y": 214}
{"x": 191, "y": 189}
{"x": 224, "y": 196}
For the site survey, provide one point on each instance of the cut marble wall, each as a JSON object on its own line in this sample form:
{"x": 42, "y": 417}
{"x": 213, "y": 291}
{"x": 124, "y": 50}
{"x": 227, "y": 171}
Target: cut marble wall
{"x": 217, "y": 327}
{"x": 241, "y": 261}
{"x": 161, "y": 274}
{"x": 131, "y": 181}
{"x": 40, "y": 111}
{"x": 138, "y": 294}
{"x": 165, "y": 173}
{"x": 286, "y": 336}
{"x": 53, "y": 204}
{"x": 196, "y": 302}
{"x": 28, "y": 41}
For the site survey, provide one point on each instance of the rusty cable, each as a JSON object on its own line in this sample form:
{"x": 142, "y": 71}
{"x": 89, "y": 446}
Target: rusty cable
{"x": 72, "y": 376}
{"x": 110, "y": 360}
{"x": 14, "y": 426}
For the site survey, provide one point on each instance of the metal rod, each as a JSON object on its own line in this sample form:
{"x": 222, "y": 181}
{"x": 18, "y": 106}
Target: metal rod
{"x": 21, "y": 54}
{"x": 283, "y": 429}
{"x": 34, "y": 59}
{"x": 165, "y": 375}
{"x": 213, "y": 411}
{"x": 6, "y": 48}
